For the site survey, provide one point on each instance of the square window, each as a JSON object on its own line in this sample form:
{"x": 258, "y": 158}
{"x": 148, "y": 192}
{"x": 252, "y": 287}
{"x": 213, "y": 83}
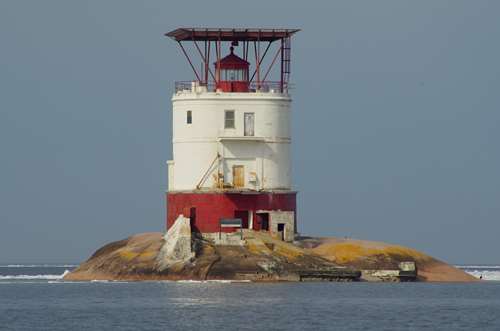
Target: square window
{"x": 229, "y": 119}
{"x": 189, "y": 117}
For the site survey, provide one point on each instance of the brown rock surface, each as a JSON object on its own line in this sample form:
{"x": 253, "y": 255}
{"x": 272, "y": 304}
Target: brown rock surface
{"x": 262, "y": 258}
{"x": 131, "y": 258}
{"x": 363, "y": 254}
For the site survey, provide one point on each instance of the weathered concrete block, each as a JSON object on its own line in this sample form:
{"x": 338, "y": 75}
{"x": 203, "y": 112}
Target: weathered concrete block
{"x": 177, "y": 246}
{"x": 224, "y": 239}
{"x": 407, "y": 266}
{"x": 282, "y": 225}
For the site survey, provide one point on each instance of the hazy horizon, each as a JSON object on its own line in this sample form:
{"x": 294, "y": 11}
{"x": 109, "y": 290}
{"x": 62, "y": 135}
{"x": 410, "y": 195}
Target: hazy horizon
{"x": 396, "y": 121}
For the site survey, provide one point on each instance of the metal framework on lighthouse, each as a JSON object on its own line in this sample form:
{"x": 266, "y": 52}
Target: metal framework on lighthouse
{"x": 206, "y": 39}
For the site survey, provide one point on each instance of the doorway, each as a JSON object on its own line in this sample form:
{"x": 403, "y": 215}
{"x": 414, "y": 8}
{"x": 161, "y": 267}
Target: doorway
{"x": 263, "y": 221}
{"x": 281, "y": 231}
{"x": 192, "y": 219}
{"x": 249, "y": 121}
{"x": 238, "y": 176}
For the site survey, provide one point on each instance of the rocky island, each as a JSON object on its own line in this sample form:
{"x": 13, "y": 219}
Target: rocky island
{"x": 257, "y": 256}
{"x": 231, "y": 205}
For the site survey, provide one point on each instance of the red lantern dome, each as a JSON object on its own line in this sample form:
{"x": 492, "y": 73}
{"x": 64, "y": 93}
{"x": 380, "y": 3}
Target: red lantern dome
{"x": 233, "y": 73}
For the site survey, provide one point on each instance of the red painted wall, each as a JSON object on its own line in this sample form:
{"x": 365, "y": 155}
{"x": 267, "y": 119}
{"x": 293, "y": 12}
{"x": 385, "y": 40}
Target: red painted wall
{"x": 211, "y": 207}
{"x": 233, "y": 86}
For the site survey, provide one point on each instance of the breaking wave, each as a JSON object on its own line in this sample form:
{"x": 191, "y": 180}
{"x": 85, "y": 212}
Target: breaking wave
{"x": 33, "y": 277}
{"x": 482, "y": 267}
{"x": 221, "y": 281}
{"x": 485, "y": 272}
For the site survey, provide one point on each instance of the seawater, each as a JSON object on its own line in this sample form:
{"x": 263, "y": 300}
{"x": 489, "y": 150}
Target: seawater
{"x": 35, "y": 298}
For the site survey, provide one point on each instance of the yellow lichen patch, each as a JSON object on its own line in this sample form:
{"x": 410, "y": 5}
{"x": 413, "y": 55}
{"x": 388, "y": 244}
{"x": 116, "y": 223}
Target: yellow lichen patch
{"x": 288, "y": 251}
{"x": 404, "y": 251}
{"x": 342, "y": 252}
{"x": 257, "y": 247}
{"x": 349, "y": 252}
{"x": 262, "y": 243}
{"x": 128, "y": 255}
{"x": 146, "y": 255}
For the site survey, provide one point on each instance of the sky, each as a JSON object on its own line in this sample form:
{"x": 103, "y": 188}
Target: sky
{"x": 396, "y": 120}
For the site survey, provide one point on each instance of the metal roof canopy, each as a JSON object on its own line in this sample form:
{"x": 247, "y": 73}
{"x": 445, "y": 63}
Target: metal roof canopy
{"x": 225, "y": 34}
{"x": 218, "y": 36}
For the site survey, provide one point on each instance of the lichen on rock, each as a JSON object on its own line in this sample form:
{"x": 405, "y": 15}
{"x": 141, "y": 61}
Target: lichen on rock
{"x": 154, "y": 256}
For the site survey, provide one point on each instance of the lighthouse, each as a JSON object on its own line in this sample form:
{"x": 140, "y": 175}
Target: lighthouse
{"x": 231, "y": 167}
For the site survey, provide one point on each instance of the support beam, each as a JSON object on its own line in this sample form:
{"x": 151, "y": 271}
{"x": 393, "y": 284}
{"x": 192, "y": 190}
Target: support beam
{"x": 247, "y": 47}
{"x": 189, "y": 60}
{"x": 207, "y": 68}
{"x": 257, "y": 61}
{"x": 272, "y": 63}
{"x": 260, "y": 61}
{"x": 218, "y": 52}
{"x": 206, "y": 64}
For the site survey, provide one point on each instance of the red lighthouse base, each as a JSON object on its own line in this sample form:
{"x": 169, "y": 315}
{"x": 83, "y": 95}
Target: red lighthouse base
{"x": 207, "y": 209}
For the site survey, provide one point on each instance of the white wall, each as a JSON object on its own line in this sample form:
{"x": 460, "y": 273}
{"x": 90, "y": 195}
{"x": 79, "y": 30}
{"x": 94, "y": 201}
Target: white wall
{"x": 196, "y": 145}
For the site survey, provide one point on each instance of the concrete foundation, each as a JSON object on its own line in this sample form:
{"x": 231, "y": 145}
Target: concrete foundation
{"x": 224, "y": 238}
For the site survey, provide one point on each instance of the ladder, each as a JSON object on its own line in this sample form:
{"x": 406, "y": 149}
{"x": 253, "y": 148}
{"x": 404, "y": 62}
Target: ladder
{"x": 285, "y": 62}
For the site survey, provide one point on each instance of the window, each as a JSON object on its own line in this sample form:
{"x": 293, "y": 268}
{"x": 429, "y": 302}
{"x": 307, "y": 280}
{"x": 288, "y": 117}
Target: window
{"x": 248, "y": 124}
{"x": 232, "y": 75}
{"x": 229, "y": 119}
{"x": 189, "y": 117}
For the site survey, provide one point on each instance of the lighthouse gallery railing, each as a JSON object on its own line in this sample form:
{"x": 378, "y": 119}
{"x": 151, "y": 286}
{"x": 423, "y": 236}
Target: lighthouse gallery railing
{"x": 268, "y": 86}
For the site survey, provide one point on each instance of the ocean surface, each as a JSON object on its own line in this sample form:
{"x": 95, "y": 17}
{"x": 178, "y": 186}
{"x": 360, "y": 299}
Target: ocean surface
{"x": 33, "y": 297}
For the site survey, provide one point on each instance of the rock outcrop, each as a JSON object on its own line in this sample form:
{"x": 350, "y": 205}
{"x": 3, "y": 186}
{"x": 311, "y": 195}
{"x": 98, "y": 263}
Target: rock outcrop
{"x": 371, "y": 255}
{"x": 262, "y": 258}
{"x": 133, "y": 258}
{"x": 150, "y": 256}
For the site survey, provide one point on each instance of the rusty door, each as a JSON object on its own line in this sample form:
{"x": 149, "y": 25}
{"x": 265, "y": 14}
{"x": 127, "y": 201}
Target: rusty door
{"x": 238, "y": 176}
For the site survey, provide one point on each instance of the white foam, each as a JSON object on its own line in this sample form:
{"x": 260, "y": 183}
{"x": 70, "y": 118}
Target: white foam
{"x": 478, "y": 266}
{"x": 229, "y": 281}
{"x": 220, "y": 281}
{"x": 62, "y": 281}
{"x": 42, "y": 277}
{"x": 18, "y": 282}
{"x": 486, "y": 274}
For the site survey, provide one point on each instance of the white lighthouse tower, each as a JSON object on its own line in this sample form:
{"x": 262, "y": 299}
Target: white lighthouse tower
{"x": 231, "y": 134}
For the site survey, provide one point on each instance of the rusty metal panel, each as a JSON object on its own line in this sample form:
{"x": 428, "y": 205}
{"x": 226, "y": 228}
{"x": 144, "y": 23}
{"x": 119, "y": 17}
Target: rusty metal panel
{"x": 230, "y": 34}
{"x": 238, "y": 176}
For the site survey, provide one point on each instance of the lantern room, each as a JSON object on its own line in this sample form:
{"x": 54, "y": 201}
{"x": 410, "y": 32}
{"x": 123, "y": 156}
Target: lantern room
{"x": 233, "y": 73}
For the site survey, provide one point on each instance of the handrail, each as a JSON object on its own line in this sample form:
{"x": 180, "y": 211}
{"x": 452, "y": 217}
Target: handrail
{"x": 254, "y": 87}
